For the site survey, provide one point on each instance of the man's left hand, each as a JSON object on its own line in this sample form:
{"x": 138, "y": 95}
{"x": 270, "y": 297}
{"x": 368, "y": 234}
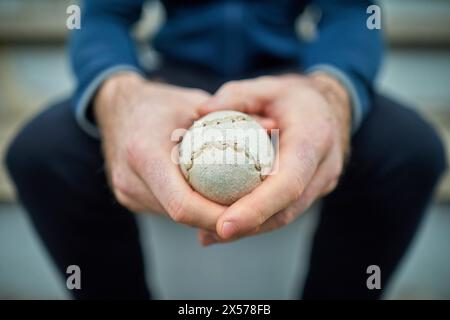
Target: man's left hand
{"x": 313, "y": 114}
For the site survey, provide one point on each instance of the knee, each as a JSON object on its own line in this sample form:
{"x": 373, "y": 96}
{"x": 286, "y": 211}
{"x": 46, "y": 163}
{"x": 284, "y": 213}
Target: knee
{"x": 420, "y": 151}
{"x": 397, "y": 142}
{"x": 36, "y": 151}
{"x": 426, "y": 154}
{"x": 16, "y": 153}
{"x": 25, "y": 156}
{"x": 437, "y": 158}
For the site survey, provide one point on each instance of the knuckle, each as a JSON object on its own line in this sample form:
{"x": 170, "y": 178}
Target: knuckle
{"x": 296, "y": 189}
{"x": 119, "y": 182}
{"x": 176, "y": 208}
{"x": 135, "y": 152}
{"x": 284, "y": 218}
{"x": 259, "y": 213}
{"x": 122, "y": 198}
{"x": 143, "y": 161}
{"x": 307, "y": 155}
{"x": 230, "y": 87}
{"x": 333, "y": 184}
{"x": 296, "y": 186}
{"x": 335, "y": 169}
{"x": 326, "y": 136}
{"x": 266, "y": 79}
{"x": 198, "y": 93}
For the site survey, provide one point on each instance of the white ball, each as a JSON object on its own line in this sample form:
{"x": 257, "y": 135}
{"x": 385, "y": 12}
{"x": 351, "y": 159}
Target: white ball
{"x": 225, "y": 155}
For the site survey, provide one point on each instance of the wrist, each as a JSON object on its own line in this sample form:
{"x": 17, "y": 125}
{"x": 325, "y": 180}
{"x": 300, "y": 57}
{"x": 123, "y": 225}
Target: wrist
{"x": 116, "y": 88}
{"x": 117, "y": 84}
{"x": 331, "y": 88}
{"x": 338, "y": 97}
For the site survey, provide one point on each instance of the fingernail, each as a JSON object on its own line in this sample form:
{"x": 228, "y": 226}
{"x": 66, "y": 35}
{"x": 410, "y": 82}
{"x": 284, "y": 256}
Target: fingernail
{"x": 209, "y": 239}
{"x": 228, "y": 229}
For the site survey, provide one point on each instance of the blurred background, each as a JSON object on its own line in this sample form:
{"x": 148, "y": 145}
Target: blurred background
{"x": 34, "y": 71}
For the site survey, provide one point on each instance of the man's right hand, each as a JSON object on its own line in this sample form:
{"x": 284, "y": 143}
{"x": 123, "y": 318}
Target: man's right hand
{"x": 136, "y": 118}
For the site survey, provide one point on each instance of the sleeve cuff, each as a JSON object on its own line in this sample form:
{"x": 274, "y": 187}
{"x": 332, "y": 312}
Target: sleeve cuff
{"x": 356, "y": 100}
{"x": 84, "y": 100}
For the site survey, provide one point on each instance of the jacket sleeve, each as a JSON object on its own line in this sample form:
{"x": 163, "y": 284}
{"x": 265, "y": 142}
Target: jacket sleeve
{"x": 101, "y": 47}
{"x": 348, "y": 50}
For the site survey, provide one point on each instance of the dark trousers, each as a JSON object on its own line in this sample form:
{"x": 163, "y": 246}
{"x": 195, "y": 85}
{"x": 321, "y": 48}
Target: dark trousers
{"x": 370, "y": 219}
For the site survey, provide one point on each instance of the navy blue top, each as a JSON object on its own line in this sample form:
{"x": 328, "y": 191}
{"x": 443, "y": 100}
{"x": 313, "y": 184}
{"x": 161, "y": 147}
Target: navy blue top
{"x": 231, "y": 39}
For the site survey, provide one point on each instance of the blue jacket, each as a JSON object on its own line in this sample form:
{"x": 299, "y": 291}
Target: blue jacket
{"x": 230, "y": 38}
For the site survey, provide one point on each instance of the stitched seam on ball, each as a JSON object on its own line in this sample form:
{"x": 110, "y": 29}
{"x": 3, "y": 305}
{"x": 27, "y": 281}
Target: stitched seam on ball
{"x": 223, "y": 146}
{"x": 214, "y": 122}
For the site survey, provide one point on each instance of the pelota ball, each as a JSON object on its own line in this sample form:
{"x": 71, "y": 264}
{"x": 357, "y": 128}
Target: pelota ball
{"x": 225, "y": 155}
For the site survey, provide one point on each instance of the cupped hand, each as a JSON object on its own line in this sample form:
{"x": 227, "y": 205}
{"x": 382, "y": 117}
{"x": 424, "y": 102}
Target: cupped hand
{"x": 313, "y": 115}
{"x": 136, "y": 119}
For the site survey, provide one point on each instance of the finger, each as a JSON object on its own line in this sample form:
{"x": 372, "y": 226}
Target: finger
{"x": 131, "y": 192}
{"x": 323, "y": 180}
{"x": 296, "y": 168}
{"x": 265, "y": 122}
{"x": 247, "y": 96}
{"x": 144, "y": 196}
{"x": 241, "y": 103}
{"x": 197, "y": 96}
{"x": 207, "y": 238}
{"x": 181, "y": 203}
{"x": 129, "y": 203}
{"x": 319, "y": 186}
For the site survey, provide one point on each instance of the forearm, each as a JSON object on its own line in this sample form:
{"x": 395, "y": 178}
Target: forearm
{"x": 102, "y": 47}
{"x": 346, "y": 49}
